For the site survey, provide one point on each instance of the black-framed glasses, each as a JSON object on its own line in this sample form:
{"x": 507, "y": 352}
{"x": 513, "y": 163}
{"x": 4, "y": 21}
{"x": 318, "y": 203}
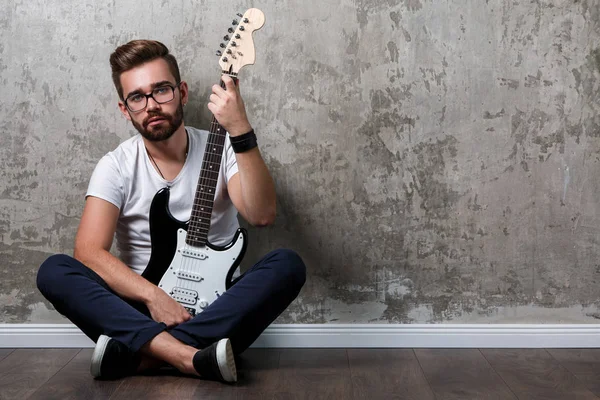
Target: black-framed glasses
{"x": 161, "y": 94}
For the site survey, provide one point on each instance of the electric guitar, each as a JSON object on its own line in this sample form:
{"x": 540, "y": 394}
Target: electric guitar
{"x": 182, "y": 261}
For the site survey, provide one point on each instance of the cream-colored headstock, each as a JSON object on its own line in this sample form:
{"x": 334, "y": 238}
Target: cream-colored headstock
{"x": 239, "y": 51}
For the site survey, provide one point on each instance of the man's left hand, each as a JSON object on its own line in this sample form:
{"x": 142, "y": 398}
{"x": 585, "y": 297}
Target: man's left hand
{"x": 228, "y": 107}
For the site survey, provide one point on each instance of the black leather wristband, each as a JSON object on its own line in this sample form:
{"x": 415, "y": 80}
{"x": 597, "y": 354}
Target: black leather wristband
{"x": 244, "y": 142}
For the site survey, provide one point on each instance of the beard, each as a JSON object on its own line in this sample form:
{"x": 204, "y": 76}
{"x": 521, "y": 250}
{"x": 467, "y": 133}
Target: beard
{"x": 165, "y": 130}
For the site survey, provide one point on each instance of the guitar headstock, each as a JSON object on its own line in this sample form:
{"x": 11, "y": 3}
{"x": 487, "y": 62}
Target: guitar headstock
{"x": 239, "y": 50}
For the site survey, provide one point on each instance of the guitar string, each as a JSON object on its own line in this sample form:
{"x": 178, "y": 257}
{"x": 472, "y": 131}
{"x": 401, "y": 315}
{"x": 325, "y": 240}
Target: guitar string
{"x": 212, "y": 157}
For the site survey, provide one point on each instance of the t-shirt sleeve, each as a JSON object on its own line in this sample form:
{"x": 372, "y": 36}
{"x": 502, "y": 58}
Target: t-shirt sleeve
{"x": 106, "y": 182}
{"x": 231, "y": 167}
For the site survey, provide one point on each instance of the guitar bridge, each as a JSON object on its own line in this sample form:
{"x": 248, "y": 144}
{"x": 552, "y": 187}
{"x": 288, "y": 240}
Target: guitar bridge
{"x": 190, "y": 310}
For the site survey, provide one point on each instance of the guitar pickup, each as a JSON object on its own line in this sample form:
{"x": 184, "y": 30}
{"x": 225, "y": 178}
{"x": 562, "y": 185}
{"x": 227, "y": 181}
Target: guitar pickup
{"x": 194, "y": 254}
{"x": 185, "y": 296}
{"x": 190, "y": 276}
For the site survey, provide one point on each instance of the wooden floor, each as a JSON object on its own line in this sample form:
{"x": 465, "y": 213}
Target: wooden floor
{"x": 419, "y": 374}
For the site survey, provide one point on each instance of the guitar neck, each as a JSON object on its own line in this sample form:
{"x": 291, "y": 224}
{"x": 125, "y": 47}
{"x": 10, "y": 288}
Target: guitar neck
{"x": 197, "y": 234}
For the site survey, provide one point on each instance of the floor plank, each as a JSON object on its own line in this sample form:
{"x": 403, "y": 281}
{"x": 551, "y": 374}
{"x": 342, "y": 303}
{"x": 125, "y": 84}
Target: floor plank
{"x": 461, "y": 374}
{"x": 162, "y": 386}
{"x": 387, "y": 374}
{"x": 322, "y": 373}
{"x": 5, "y": 352}
{"x": 75, "y": 382}
{"x": 23, "y": 371}
{"x": 583, "y": 363}
{"x": 314, "y": 374}
{"x": 257, "y": 371}
{"x": 535, "y": 374}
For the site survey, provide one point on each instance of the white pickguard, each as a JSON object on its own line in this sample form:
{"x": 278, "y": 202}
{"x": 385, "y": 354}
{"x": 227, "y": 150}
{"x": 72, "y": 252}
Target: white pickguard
{"x": 196, "y": 276}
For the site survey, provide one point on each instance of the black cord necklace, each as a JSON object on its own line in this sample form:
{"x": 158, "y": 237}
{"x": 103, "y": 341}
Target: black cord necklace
{"x": 187, "y": 147}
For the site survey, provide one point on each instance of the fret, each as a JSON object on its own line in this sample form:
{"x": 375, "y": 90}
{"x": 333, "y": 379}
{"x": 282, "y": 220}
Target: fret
{"x": 212, "y": 173}
{"x": 205, "y": 193}
{"x": 202, "y": 208}
{"x": 200, "y": 218}
{"x": 202, "y": 212}
{"x": 211, "y": 168}
{"x": 209, "y": 174}
{"x": 215, "y": 159}
{"x": 216, "y": 148}
{"x": 216, "y": 138}
{"x": 203, "y": 199}
{"x": 200, "y": 225}
{"x": 197, "y": 228}
{"x": 198, "y": 222}
{"x": 210, "y": 179}
{"x": 212, "y": 162}
{"x": 205, "y": 181}
{"x": 196, "y": 234}
{"x": 203, "y": 202}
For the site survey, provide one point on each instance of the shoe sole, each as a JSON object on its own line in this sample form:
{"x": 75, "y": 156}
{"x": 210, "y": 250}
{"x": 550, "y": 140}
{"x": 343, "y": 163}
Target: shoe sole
{"x": 98, "y": 355}
{"x": 226, "y": 361}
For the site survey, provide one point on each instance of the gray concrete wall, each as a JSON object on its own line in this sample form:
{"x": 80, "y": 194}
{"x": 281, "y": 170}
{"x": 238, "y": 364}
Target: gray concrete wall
{"x": 436, "y": 161}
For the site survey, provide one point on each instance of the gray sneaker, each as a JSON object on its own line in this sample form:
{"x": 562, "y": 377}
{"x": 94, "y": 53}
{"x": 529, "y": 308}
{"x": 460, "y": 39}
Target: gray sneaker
{"x": 112, "y": 359}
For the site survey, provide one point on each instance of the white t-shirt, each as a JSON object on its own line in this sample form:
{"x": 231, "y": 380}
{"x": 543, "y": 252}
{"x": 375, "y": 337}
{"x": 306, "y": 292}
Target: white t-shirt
{"x": 127, "y": 178}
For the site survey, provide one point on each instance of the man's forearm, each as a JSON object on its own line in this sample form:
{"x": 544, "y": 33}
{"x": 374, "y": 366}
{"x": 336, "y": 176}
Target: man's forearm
{"x": 117, "y": 275}
{"x": 257, "y": 187}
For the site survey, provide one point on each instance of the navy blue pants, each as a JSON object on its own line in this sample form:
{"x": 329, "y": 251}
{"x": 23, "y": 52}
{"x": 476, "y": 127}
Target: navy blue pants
{"x": 241, "y": 313}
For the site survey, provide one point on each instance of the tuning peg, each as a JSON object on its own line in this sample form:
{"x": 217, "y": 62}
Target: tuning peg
{"x": 219, "y": 53}
{"x": 237, "y": 36}
{"x": 228, "y": 51}
{"x": 224, "y": 59}
{"x": 242, "y": 28}
{"x": 230, "y": 30}
{"x": 239, "y": 15}
{"x": 226, "y": 37}
{"x": 222, "y": 45}
{"x": 245, "y": 20}
{"x": 234, "y": 22}
{"x": 233, "y": 44}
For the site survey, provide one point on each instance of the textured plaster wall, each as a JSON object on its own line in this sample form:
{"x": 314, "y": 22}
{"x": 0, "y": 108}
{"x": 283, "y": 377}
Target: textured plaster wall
{"x": 435, "y": 161}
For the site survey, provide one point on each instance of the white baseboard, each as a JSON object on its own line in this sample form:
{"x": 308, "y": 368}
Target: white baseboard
{"x": 351, "y": 336}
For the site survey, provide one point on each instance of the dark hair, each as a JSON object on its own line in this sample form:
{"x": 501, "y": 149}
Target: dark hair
{"x": 136, "y": 53}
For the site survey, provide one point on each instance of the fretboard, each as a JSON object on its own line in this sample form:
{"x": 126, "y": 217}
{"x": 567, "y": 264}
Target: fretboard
{"x": 199, "y": 225}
